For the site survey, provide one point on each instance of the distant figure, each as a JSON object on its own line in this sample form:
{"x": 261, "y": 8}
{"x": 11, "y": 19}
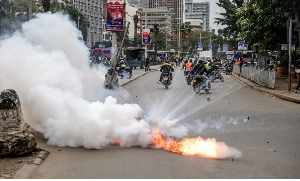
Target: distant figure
{"x": 297, "y": 70}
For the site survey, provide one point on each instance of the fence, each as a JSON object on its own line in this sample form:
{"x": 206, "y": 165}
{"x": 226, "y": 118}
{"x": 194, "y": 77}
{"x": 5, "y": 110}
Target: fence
{"x": 260, "y": 76}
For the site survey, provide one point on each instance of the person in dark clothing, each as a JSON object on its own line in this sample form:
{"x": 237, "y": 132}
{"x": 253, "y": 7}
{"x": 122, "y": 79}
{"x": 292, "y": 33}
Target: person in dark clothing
{"x": 297, "y": 70}
{"x": 199, "y": 69}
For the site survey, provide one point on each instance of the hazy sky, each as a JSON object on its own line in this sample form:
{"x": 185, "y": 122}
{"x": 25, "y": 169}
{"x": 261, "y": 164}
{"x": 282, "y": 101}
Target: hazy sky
{"x": 214, "y": 8}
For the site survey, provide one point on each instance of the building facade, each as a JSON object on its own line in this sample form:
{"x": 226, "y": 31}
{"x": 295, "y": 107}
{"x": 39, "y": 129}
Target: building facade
{"x": 198, "y": 11}
{"x": 175, "y": 8}
{"x": 159, "y": 16}
{"x": 197, "y": 24}
{"x": 130, "y": 11}
{"x": 92, "y": 9}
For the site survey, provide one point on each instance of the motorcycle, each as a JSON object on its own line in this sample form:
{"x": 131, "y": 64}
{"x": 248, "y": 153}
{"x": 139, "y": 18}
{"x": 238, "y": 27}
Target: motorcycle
{"x": 187, "y": 78}
{"x": 216, "y": 74}
{"x": 228, "y": 69}
{"x": 125, "y": 73}
{"x": 166, "y": 80}
{"x": 199, "y": 84}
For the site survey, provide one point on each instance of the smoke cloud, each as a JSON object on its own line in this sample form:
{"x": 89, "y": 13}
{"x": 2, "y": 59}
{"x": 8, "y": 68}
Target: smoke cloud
{"x": 63, "y": 98}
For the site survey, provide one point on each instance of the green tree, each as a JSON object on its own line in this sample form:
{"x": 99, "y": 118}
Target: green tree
{"x": 264, "y": 23}
{"x": 75, "y": 14}
{"x": 229, "y": 18}
{"x": 161, "y": 40}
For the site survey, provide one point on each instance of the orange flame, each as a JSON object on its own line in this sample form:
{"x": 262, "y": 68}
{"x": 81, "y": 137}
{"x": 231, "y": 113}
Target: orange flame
{"x": 187, "y": 146}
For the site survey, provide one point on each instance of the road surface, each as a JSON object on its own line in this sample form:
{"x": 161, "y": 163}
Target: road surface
{"x": 269, "y": 140}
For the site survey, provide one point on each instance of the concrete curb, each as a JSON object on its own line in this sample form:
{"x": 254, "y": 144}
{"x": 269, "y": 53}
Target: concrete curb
{"x": 28, "y": 169}
{"x": 264, "y": 90}
{"x": 125, "y": 83}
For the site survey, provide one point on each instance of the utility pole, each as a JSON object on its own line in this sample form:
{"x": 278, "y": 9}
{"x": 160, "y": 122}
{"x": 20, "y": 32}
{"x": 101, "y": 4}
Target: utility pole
{"x": 146, "y": 28}
{"x": 166, "y": 45}
{"x": 30, "y": 10}
{"x": 179, "y": 40}
{"x": 135, "y": 20}
{"x": 290, "y": 52}
{"x": 156, "y": 30}
{"x": 78, "y": 18}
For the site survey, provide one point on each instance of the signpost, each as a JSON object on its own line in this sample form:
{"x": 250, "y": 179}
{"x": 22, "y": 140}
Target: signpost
{"x": 199, "y": 46}
{"x": 225, "y": 47}
{"x": 242, "y": 45}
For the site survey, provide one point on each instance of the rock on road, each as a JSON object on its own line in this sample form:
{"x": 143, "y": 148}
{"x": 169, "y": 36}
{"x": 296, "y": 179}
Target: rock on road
{"x": 269, "y": 140}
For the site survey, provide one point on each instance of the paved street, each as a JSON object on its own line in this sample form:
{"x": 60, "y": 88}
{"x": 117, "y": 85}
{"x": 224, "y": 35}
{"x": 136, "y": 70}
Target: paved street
{"x": 269, "y": 140}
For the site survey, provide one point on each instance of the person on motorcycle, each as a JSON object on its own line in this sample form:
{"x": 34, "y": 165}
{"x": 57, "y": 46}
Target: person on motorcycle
{"x": 188, "y": 67}
{"x": 200, "y": 69}
{"x": 166, "y": 67}
{"x": 122, "y": 65}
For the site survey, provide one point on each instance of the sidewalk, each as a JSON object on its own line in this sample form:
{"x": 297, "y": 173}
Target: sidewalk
{"x": 137, "y": 73}
{"x": 281, "y": 88}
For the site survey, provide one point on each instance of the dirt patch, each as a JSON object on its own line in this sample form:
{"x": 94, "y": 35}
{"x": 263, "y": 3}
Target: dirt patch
{"x": 10, "y": 165}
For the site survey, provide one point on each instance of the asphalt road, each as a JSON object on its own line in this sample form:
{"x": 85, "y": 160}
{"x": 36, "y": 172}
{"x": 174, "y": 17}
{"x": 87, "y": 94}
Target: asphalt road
{"x": 269, "y": 140}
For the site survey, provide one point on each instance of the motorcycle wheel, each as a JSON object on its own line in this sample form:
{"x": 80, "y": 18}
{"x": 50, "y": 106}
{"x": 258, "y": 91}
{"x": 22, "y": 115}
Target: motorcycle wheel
{"x": 222, "y": 79}
{"x": 166, "y": 85}
{"x": 195, "y": 88}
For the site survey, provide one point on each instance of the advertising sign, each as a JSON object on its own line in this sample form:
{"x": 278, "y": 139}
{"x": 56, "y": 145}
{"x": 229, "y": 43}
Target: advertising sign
{"x": 115, "y": 10}
{"x": 146, "y": 36}
{"x": 199, "y": 46}
{"x": 210, "y": 47}
{"x": 242, "y": 46}
{"x": 88, "y": 44}
{"x": 219, "y": 49}
{"x": 225, "y": 47}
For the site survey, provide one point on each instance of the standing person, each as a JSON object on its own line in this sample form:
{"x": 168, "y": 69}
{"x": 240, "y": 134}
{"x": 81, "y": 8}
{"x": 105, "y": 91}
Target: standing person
{"x": 147, "y": 62}
{"x": 241, "y": 62}
{"x": 297, "y": 70}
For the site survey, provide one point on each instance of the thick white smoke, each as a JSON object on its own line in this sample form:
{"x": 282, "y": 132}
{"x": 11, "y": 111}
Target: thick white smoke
{"x": 48, "y": 67}
{"x": 60, "y": 95}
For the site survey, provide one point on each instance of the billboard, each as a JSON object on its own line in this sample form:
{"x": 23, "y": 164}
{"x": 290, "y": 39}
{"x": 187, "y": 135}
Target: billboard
{"x": 146, "y": 36}
{"x": 115, "y": 10}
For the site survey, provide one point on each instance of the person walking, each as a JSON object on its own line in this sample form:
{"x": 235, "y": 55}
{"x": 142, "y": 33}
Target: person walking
{"x": 241, "y": 62}
{"x": 297, "y": 70}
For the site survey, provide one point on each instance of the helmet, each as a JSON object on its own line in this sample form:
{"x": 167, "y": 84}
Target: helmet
{"x": 191, "y": 60}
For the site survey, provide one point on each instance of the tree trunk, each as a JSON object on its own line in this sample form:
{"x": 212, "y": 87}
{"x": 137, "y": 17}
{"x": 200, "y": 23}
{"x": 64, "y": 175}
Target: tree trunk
{"x": 46, "y": 5}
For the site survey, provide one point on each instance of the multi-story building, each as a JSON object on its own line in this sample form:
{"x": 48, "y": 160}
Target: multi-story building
{"x": 130, "y": 11}
{"x": 174, "y": 6}
{"x": 159, "y": 16}
{"x": 197, "y": 24}
{"x": 198, "y": 11}
{"x": 92, "y": 9}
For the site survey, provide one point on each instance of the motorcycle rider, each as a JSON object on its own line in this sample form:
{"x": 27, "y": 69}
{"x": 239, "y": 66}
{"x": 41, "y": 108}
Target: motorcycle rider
{"x": 200, "y": 69}
{"x": 188, "y": 67}
{"x": 166, "y": 67}
{"x": 122, "y": 65}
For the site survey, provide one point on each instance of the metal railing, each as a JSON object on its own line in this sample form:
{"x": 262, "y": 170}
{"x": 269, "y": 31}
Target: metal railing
{"x": 262, "y": 77}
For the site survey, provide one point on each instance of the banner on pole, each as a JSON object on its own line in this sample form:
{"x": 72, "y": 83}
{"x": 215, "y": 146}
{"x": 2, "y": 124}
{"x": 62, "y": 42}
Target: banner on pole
{"x": 146, "y": 36}
{"x": 115, "y": 10}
